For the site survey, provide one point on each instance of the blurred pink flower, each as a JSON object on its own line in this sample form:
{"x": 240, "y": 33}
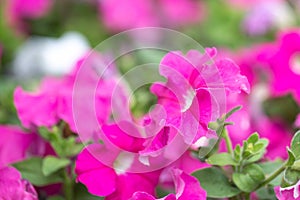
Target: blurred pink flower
{"x": 284, "y": 65}
{"x": 102, "y": 180}
{"x": 14, "y": 144}
{"x": 13, "y": 187}
{"x": 54, "y": 99}
{"x": 186, "y": 188}
{"x": 180, "y": 12}
{"x": 20, "y": 10}
{"x": 288, "y": 193}
{"x": 118, "y": 15}
{"x": 126, "y": 14}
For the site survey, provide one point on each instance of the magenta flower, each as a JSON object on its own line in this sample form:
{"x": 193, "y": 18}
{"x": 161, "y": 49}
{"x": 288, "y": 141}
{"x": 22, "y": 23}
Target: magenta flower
{"x": 114, "y": 184}
{"x": 14, "y": 144}
{"x": 186, "y": 187}
{"x": 285, "y": 65}
{"x": 19, "y": 10}
{"x": 38, "y": 109}
{"x": 13, "y": 187}
{"x": 194, "y": 89}
{"x": 187, "y": 163}
{"x": 54, "y": 99}
{"x": 288, "y": 193}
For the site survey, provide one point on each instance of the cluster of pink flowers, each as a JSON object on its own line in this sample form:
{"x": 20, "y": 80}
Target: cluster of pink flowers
{"x": 188, "y": 104}
{"x": 191, "y": 97}
{"x": 188, "y": 99}
{"x": 122, "y": 156}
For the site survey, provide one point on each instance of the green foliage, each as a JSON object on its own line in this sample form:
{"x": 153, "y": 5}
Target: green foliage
{"x": 7, "y": 109}
{"x": 63, "y": 146}
{"x": 52, "y": 164}
{"x": 292, "y": 173}
{"x": 222, "y": 159}
{"x": 283, "y": 107}
{"x": 290, "y": 177}
{"x": 250, "y": 177}
{"x": 252, "y": 150}
{"x": 215, "y": 183}
{"x": 295, "y": 145}
{"x": 31, "y": 169}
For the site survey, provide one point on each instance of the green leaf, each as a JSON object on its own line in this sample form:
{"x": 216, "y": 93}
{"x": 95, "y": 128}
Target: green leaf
{"x": 253, "y": 138}
{"x": 235, "y": 109}
{"x": 244, "y": 182}
{"x": 269, "y": 168}
{"x": 255, "y": 172}
{"x": 215, "y": 183}
{"x": 31, "y": 169}
{"x": 266, "y": 193}
{"x": 291, "y": 177}
{"x": 257, "y": 154}
{"x": 52, "y": 164}
{"x": 237, "y": 152}
{"x": 44, "y": 133}
{"x": 251, "y": 177}
{"x": 291, "y": 158}
{"x": 295, "y": 145}
{"x": 221, "y": 159}
{"x": 296, "y": 165}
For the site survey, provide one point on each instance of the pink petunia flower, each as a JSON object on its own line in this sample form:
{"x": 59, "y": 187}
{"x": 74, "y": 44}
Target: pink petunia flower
{"x": 196, "y": 90}
{"x": 54, "y": 101}
{"x": 13, "y": 187}
{"x": 15, "y": 144}
{"x": 186, "y": 187}
{"x": 288, "y": 193}
{"x": 102, "y": 180}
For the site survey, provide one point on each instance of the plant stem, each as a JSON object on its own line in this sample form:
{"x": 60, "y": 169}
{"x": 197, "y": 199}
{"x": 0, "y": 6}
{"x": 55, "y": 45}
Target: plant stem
{"x": 272, "y": 176}
{"x": 228, "y": 141}
{"x": 68, "y": 186}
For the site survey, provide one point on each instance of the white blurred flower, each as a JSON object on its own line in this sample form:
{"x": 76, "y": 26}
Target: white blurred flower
{"x": 267, "y": 15}
{"x": 51, "y": 56}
